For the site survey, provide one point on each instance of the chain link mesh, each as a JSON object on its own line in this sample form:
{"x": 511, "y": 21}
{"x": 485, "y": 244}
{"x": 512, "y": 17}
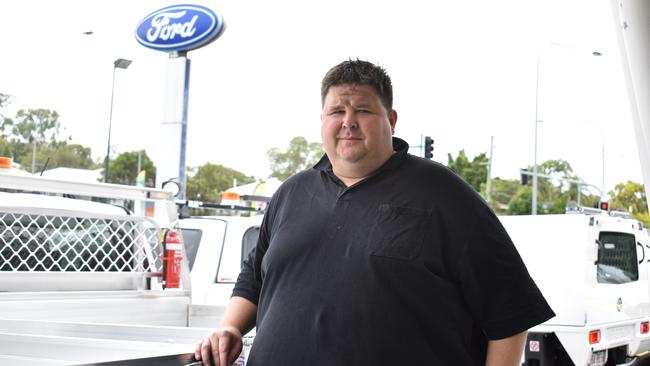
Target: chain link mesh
{"x": 56, "y": 242}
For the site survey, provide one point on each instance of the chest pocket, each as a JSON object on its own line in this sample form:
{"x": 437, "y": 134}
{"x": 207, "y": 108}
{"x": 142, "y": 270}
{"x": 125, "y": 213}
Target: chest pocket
{"x": 399, "y": 232}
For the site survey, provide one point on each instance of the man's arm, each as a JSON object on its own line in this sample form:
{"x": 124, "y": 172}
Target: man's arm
{"x": 222, "y": 347}
{"x": 506, "y": 351}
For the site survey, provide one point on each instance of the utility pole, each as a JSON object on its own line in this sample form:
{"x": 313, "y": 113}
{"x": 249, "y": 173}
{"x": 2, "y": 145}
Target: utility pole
{"x": 488, "y": 185}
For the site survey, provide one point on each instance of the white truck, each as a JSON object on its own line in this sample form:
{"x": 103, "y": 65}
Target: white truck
{"x": 88, "y": 282}
{"x": 592, "y": 268}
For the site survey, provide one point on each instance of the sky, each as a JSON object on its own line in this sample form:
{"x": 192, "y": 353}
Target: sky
{"x": 462, "y": 71}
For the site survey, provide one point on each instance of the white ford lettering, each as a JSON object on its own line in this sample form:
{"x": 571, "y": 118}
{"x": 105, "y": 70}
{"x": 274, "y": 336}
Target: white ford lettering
{"x": 161, "y": 29}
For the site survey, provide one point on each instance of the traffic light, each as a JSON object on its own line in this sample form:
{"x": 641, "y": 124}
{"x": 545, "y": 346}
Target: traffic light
{"x": 428, "y": 147}
{"x": 603, "y": 205}
{"x": 524, "y": 176}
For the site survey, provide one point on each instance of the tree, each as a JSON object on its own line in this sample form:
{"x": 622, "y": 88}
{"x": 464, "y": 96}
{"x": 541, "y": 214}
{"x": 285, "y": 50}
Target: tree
{"x": 64, "y": 154}
{"x": 474, "y": 172}
{"x": 4, "y": 121}
{"x": 124, "y": 168}
{"x": 553, "y": 194}
{"x": 20, "y": 136}
{"x": 630, "y": 196}
{"x": 300, "y": 155}
{"x": 4, "y": 99}
{"x": 5, "y": 128}
{"x": 521, "y": 202}
{"x": 501, "y": 193}
{"x": 35, "y": 126}
{"x": 207, "y": 181}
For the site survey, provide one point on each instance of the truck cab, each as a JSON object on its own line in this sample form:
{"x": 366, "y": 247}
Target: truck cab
{"x": 216, "y": 247}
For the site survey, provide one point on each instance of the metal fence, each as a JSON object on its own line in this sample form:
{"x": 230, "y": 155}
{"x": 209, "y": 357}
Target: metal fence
{"x": 40, "y": 240}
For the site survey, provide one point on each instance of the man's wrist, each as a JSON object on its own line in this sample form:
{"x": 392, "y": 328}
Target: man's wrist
{"x": 232, "y": 329}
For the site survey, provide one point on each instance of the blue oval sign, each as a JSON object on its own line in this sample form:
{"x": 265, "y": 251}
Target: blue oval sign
{"x": 179, "y": 28}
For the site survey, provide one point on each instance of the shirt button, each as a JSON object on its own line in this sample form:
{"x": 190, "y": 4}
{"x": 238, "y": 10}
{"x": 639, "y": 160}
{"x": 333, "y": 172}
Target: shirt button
{"x": 339, "y": 227}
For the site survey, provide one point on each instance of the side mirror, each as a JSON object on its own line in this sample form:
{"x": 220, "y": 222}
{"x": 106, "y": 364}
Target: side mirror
{"x": 598, "y": 248}
{"x": 172, "y": 186}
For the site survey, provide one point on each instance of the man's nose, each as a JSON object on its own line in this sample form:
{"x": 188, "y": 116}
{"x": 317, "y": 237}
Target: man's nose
{"x": 350, "y": 121}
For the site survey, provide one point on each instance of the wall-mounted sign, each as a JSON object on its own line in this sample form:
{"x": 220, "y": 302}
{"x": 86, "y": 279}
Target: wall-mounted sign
{"x": 179, "y": 28}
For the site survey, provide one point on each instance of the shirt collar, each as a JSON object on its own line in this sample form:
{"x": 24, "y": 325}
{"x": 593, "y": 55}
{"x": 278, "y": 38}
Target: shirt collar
{"x": 400, "y": 147}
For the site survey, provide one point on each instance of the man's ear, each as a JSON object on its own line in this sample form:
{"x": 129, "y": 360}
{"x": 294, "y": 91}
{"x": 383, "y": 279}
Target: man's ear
{"x": 392, "y": 119}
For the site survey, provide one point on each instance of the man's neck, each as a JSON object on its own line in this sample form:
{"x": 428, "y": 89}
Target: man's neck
{"x": 351, "y": 174}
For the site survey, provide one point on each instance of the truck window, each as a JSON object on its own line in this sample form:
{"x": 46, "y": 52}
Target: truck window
{"x": 249, "y": 241}
{"x": 191, "y": 239}
{"x": 617, "y": 262}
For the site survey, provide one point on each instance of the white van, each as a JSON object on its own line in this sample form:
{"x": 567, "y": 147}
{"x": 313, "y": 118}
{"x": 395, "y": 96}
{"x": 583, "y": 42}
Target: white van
{"x": 592, "y": 269}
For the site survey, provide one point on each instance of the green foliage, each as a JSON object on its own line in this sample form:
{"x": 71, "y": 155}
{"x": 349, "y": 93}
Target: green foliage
{"x": 553, "y": 195}
{"x": 474, "y": 172}
{"x": 13, "y": 148}
{"x": 4, "y": 100}
{"x": 55, "y": 154}
{"x": 35, "y": 131}
{"x": 502, "y": 191}
{"x": 33, "y": 126}
{"x": 5, "y": 123}
{"x": 207, "y": 181}
{"x": 300, "y": 155}
{"x": 556, "y": 167}
{"x": 124, "y": 168}
{"x": 521, "y": 202}
{"x": 36, "y": 124}
{"x": 630, "y": 196}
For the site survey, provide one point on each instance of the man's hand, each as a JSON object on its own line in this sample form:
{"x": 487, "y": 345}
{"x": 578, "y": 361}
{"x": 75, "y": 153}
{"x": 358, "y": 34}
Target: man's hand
{"x": 220, "y": 348}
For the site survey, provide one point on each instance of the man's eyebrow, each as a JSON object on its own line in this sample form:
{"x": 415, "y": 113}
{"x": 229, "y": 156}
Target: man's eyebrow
{"x": 363, "y": 105}
{"x": 334, "y": 106}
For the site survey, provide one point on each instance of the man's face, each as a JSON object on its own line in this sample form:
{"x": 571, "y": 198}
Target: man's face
{"x": 356, "y": 127}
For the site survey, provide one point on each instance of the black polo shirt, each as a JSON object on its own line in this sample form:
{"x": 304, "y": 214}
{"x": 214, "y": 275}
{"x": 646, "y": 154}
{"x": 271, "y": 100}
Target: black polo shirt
{"x": 408, "y": 266}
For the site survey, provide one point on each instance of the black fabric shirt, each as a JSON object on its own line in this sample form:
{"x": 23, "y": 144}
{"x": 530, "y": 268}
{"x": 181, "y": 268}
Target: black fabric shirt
{"x": 408, "y": 266}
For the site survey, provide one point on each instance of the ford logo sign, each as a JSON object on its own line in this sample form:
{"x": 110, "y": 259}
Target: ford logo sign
{"x": 179, "y": 28}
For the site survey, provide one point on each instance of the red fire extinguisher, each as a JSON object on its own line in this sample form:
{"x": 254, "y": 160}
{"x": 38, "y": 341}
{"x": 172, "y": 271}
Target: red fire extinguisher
{"x": 172, "y": 246}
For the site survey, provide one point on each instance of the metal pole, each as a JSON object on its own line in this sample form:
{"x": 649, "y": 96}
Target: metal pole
{"x": 602, "y": 173}
{"x": 602, "y": 177}
{"x": 182, "y": 179}
{"x": 489, "y": 172}
{"x": 33, "y": 153}
{"x": 122, "y": 64}
{"x": 110, "y": 123}
{"x": 535, "y": 169}
{"x": 534, "y": 200}
{"x": 139, "y": 162}
{"x": 421, "y": 145}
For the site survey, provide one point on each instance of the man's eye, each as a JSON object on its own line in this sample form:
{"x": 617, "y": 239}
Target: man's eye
{"x": 336, "y": 112}
{"x": 363, "y": 111}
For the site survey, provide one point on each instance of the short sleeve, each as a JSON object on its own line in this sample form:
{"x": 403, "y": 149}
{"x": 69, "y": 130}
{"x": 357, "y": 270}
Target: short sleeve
{"x": 502, "y": 297}
{"x": 249, "y": 281}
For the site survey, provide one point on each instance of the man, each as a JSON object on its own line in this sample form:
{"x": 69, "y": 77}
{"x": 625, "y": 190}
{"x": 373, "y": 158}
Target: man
{"x": 377, "y": 257}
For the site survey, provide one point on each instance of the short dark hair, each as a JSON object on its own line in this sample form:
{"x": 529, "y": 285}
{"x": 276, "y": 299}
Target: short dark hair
{"x": 359, "y": 73}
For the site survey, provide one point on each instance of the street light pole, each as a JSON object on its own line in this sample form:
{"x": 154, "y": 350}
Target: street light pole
{"x": 537, "y": 120}
{"x": 602, "y": 173}
{"x": 534, "y": 200}
{"x": 120, "y": 63}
